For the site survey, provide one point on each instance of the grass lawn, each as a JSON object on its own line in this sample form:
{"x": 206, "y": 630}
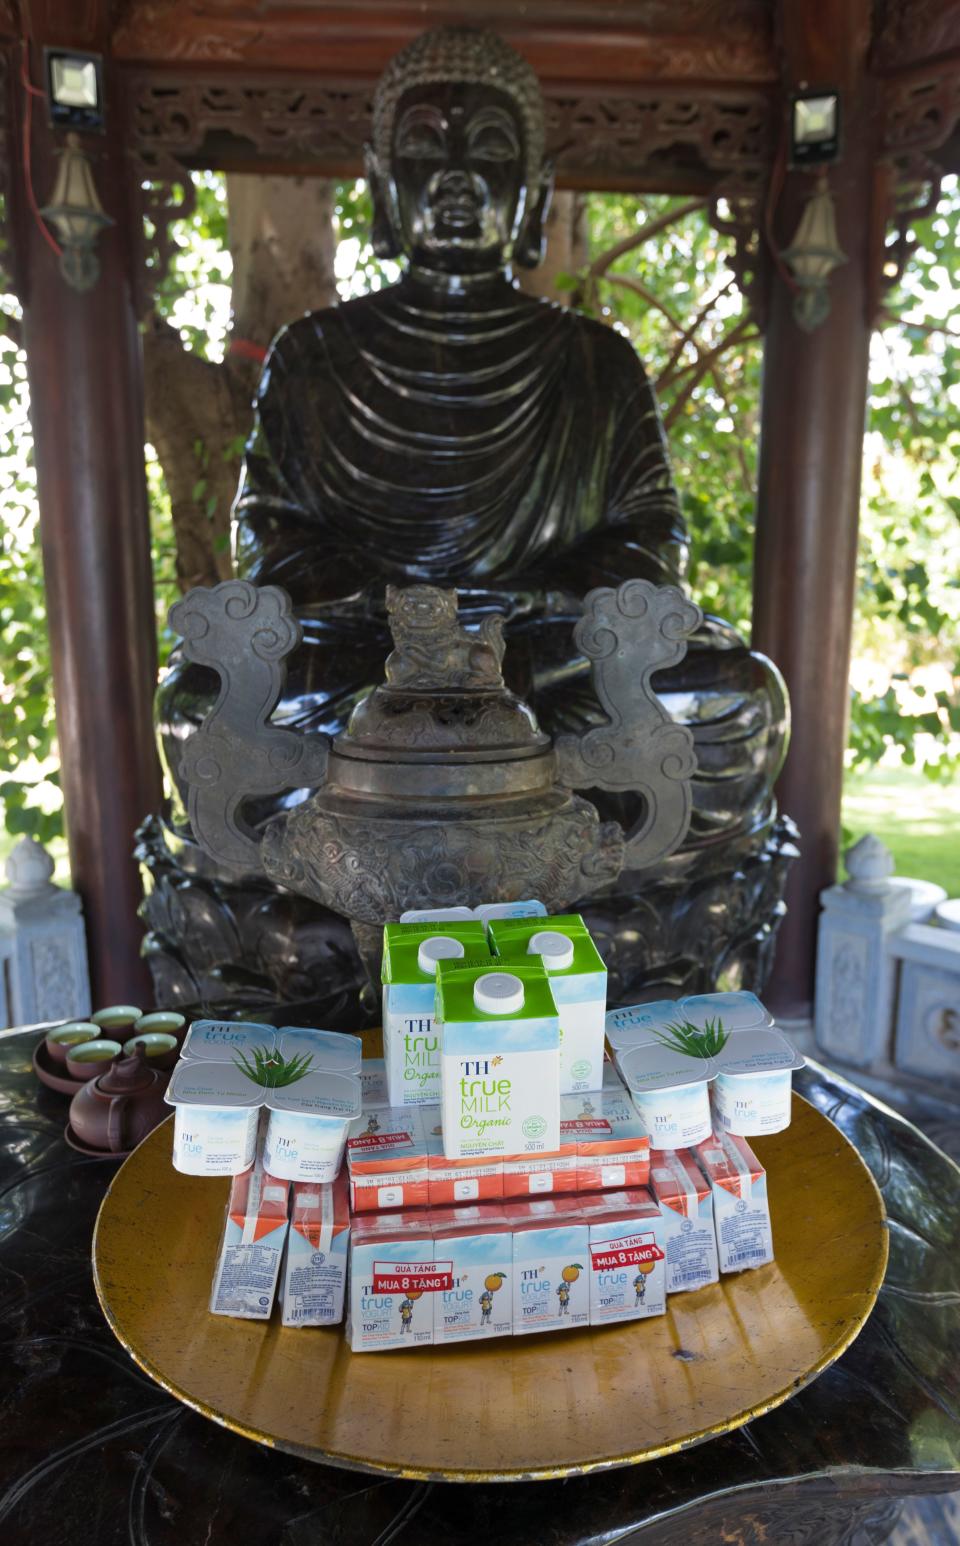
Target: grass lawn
{"x": 918, "y": 820}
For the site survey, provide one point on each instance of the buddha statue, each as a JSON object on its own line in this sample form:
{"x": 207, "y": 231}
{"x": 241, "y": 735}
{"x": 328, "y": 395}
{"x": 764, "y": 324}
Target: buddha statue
{"x": 451, "y": 429}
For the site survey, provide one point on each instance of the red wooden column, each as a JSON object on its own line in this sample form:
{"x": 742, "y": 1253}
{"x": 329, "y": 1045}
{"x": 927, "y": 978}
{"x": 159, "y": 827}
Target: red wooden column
{"x": 84, "y": 366}
{"x": 811, "y": 447}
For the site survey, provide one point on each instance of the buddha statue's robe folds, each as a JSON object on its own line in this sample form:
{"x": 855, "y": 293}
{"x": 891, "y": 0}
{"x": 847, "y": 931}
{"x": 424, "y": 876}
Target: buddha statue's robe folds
{"x": 476, "y": 437}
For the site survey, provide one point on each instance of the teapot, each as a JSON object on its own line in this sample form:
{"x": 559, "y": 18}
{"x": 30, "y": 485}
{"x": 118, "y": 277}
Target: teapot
{"x": 117, "y": 1110}
{"x": 442, "y": 789}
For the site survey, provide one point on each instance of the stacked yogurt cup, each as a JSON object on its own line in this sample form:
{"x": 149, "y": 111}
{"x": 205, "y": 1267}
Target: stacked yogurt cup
{"x": 301, "y": 1088}
{"x": 713, "y": 1061}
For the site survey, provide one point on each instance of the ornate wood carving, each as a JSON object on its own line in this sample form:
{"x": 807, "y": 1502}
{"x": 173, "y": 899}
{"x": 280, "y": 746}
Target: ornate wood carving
{"x": 596, "y": 139}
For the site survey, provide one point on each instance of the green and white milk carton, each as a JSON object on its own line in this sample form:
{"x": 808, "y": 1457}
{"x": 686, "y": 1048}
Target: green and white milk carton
{"x": 499, "y": 1058}
{"x": 410, "y": 1045}
{"x": 578, "y": 978}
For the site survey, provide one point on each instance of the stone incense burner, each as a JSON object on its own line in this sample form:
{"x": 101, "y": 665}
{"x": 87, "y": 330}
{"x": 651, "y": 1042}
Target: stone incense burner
{"x": 442, "y": 790}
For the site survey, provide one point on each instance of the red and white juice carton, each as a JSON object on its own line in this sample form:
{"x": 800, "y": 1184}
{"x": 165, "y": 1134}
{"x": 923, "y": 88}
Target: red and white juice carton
{"x": 740, "y": 1207}
{"x": 315, "y": 1265}
{"x": 387, "y": 1160}
{"x": 626, "y": 1257}
{"x": 613, "y": 1148}
{"x": 251, "y": 1247}
{"x": 455, "y": 1181}
{"x": 551, "y": 1287}
{"x": 395, "y": 1274}
{"x": 479, "y": 1303}
{"x": 536, "y": 1175}
{"x": 685, "y": 1199}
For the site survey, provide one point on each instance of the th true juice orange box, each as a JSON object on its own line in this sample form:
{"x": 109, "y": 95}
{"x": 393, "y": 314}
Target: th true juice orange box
{"x": 387, "y": 1160}
{"x": 454, "y": 1181}
{"x": 479, "y": 1301}
{"x": 551, "y": 1278}
{"x": 395, "y": 1274}
{"x": 740, "y": 1208}
{"x": 315, "y": 1265}
{"x": 626, "y": 1257}
{"x": 254, "y": 1235}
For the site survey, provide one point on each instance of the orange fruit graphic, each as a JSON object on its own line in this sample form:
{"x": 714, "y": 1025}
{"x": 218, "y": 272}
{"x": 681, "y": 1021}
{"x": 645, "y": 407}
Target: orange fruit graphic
{"x": 645, "y": 1267}
{"x": 571, "y": 1273}
{"x": 414, "y": 1293}
{"x": 494, "y": 1281}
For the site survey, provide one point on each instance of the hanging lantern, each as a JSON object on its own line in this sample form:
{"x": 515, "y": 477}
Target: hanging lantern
{"x": 77, "y": 215}
{"x": 813, "y": 255}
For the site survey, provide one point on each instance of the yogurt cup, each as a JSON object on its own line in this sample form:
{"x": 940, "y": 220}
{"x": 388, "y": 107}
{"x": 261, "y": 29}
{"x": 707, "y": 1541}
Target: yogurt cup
{"x": 438, "y": 915}
{"x": 751, "y": 1104}
{"x": 670, "y": 1095}
{"x": 737, "y": 1011}
{"x": 328, "y": 1050}
{"x": 217, "y": 1114}
{"x": 223, "y": 1041}
{"x": 635, "y": 1025}
{"x": 307, "y": 1131}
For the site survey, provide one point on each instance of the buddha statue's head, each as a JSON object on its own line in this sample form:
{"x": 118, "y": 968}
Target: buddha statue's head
{"x": 456, "y": 168}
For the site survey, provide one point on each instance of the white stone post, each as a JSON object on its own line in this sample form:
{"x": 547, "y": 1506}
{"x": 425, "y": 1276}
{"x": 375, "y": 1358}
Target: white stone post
{"x": 856, "y": 972}
{"x": 43, "y": 949}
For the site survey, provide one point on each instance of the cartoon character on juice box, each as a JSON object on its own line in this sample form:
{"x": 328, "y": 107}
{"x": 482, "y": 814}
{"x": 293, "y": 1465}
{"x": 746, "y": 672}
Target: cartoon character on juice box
{"x": 490, "y": 1286}
{"x": 406, "y": 1308}
{"x": 640, "y": 1281}
{"x": 373, "y": 1125}
{"x": 568, "y": 1275}
{"x": 589, "y": 1109}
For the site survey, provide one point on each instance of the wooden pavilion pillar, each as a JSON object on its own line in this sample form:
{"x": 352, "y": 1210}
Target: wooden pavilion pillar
{"x": 811, "y": 450}
{"x": 86, "y": 408}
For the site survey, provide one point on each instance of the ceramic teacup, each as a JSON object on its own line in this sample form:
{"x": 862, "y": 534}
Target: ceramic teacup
{"x": 59, "y": 1042}
{"x": 170, "y": 1021}
{"x": 91, "y": 1058}
{"x": 160, "y": 1047}
{"x": 116, "y": 1017}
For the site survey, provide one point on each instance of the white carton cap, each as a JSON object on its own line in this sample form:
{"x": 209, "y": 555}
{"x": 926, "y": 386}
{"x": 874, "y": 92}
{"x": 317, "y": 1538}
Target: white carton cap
{"x": 554, "y": 949}
{"x": 498, "y": 993}
{"x": 437, "y": 947}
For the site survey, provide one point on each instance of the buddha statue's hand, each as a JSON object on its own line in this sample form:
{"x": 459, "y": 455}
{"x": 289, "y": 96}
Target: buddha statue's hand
{"x": 244, "y": 634}
{"x": 627, "y": 634}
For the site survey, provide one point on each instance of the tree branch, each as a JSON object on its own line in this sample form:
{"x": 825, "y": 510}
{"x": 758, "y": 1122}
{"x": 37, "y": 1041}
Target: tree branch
{"x": 687, "y": 333}
{"x": 650, "y": 229}
{"x": 697, "y": 371}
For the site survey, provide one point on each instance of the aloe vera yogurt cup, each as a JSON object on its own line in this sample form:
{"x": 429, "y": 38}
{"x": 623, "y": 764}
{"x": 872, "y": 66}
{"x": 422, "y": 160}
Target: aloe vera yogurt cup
{"x": 578, "y": 979}
{"x": 224, "y": 1041}
{"x": 307, "y": 1131}
{"x": 752, "y": 1090}
{"x": 499, "y": 1058}
{"x": 217, "y": 1113}
{"x": 670, "y": 1093}
{"x": 411, "y": 1046}
{"x": 330, "y": 1051}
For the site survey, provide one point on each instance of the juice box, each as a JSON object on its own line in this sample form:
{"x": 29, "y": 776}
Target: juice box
{"x": 740, "y": 1207}
{"x": 410, "y": 1043}
{"x": 315, "y": 1264}
{"x": 532, "y": 1175}
{"x": 613, "y": 1149}
{"x": 451, "y": 1181}
{"x": 551, "y": 1277}
{"x": 394, "y": 1278}
{"x": 479, "y": 1302}
{"x": 251, "y": 1246}
{"x": 686, "y": 1203}
{"x": 626, "y": 1258}
{"x": 387, "y": 1160}
{"x": 578, "y": 979}
{"x": 499, "y": 1059}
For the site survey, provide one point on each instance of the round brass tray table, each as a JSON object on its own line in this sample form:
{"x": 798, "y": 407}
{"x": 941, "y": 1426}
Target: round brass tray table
{"x": 513, "y": 1409}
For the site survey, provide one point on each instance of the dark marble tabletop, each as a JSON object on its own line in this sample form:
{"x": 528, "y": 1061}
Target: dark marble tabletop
{"x": 94, "y": 1454}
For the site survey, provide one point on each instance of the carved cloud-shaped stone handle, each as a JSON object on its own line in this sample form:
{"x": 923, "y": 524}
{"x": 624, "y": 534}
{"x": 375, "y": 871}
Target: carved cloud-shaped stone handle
{"x": 245, "y": 634}
{"x": 627, "y": 634}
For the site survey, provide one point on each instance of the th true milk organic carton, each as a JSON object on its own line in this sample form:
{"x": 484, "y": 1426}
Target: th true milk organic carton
{"x": 578, "y": 979}
{"x": 551, "y": 1274}
{"x": 387, "y": 1159}
{"x": 395, "y": 1274}
{"x": 479, "y": 1302}
{"x": 499, "y": 1059}
{"x": 315, "y": 1265}
{"x": 410, "y": 1047}
{"x": 740, "y": 1208}
{"x": 626, "y": 1257}
{"x": 251, "y": 1248}
{"x": 686, "y": 1203}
